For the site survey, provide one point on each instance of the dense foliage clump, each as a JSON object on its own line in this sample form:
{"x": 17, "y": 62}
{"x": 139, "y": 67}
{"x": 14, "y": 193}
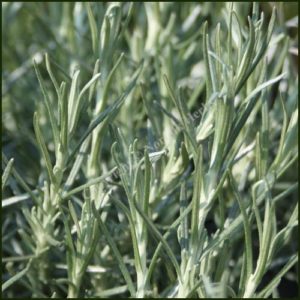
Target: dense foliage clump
{"x": 149, "y": 150}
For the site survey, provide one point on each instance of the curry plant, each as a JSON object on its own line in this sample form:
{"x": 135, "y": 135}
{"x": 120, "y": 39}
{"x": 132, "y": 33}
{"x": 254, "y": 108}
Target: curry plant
{"x": 164, "y": 138}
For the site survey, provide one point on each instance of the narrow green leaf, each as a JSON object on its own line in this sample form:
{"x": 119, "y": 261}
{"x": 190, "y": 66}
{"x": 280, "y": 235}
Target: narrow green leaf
{"x": 218, "y": 53}
{"x": 250, "y": 100}
{"x": 28, "y": 241}
{"x": 183, "y": 232}
{"x": 137, "y": 254}
{"x": 74, "y": 217}
{"x": 198, "y": 186}
{"x": 94, "y": 124}
{"x": 17, "y": 258}
{"x": 229, "y": 41}
{"x": 291, "y": 139}
{"x": 243, "y": 276}
{"x": 247, "y": 58}
{"x": 276, "y": 280}
{"x": 209, "y": 84}
{"x": 223, "y": 261}
{"x": 264, "y": 134}
{"x": 71, "y": 253}
{"x": 183, "y": 111}
{"x": 212, "y": 67}
{"x": 64, "y": 117}
{"x": 160, "y": 238}
{"x": 104, "y": 43}
{"x": 193, "y": 290}
{"x": 168, "y": 114}
{"x": 108, "y": 83}
{"x": 260, "y": 53}
{"x": 223, "y": 121}
{"x": 49, "y": 107}
{"x": 93, "y": 234}
{"x": 147, "y": 179}
{"x": 78, "y": 105}
{"x": 43, "y": 147}
{"x": 114, "y": 13}
{"x": 247, "y": 228}
{"x": 124, "y": 173}
{"x": 117, "y": 136}
{"x": 166, "y": 235}
{"x": 112, "y": 292}
{"x": 237, "y": 225}
{"x": 93, "y": 26}
{"x": 258, "y": 167}
{"x": 286, "y": 166}
{"x": 72, "y": 105}
{"x": 107, "y": 112}
{"x": 259, "y": 224}
{"x": 255, "y": 11}
{"x": 281, "y": 59}
{"x": 240, "y": 36}
{"x": 116, "y": 252}
{"x": 77, "y": 164}
{"x": 266, "y": 240}
{"x": 283, "y": 133}
{"x": 16, "y": 277}
{"x": 60, "y": 68}
{"x": 126, "y": 22}
{"x": 222, "y": 209}
{"x": 93, "y": 86}
{"x": 188, "y": 123}
{"x": 7, "y": 172}
{"x": 86, "y": 87}
{"x": 271, "y": 25}
{"x": 283, "y": 235}
{"x": 15, "y": 199}
{"x": 48, "y": 67}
